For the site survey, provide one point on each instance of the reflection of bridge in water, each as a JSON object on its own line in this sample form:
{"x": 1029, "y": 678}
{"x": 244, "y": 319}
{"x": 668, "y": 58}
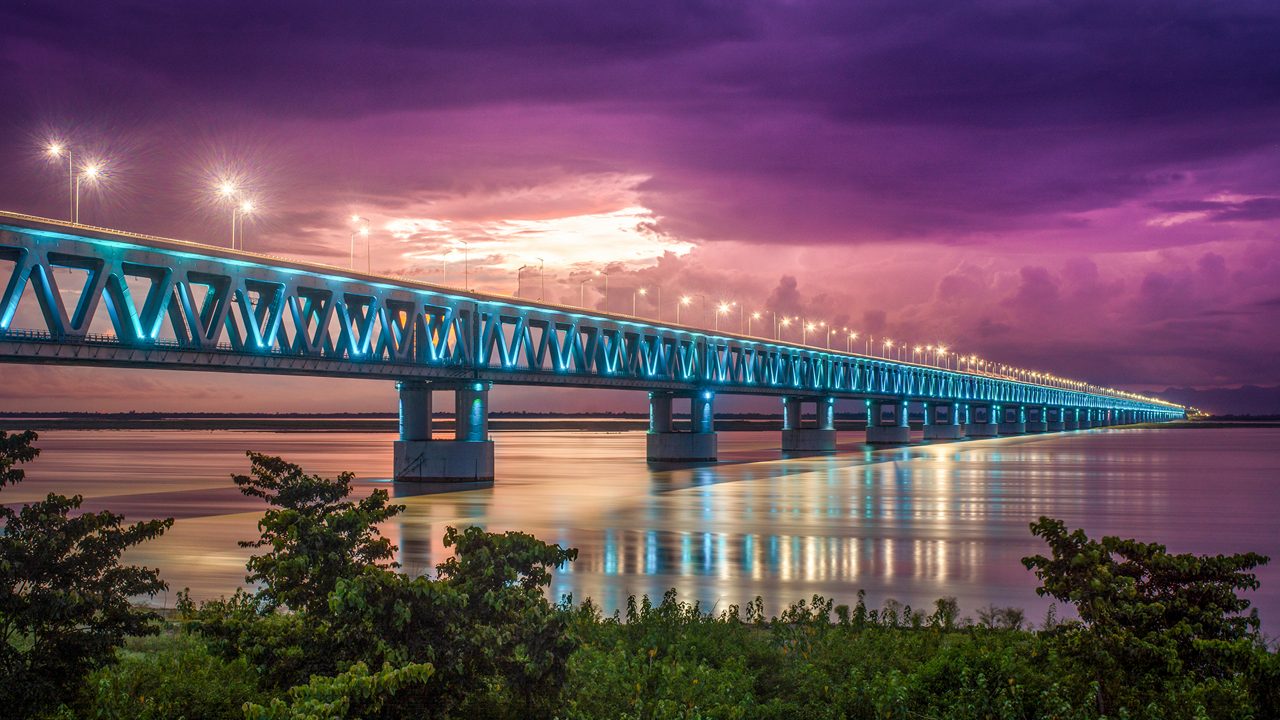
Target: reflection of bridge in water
{"x": 89, "y": 296}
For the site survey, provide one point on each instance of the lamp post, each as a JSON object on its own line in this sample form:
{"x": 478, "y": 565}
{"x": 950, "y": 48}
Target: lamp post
{"x": 804, "y": 334}
{"x": 721, "y": 309}
{"x": 466, "y": 265}
{"x": 755, "y": 315}
{"x": 93, "y": 171}
{"x": 519, "y": 271}
{"x": 246, "y": 209}
{"x": 888, "y": 346}
{"x": 542, "y": 279}
{"x": 582, "y": 293}
{"x": 785, "y": 322}
{"x": 848, "y": 344}
{"x": 362, "y": 229}
{"x": 684, "y": 300}
{"x": 55, "y": 150}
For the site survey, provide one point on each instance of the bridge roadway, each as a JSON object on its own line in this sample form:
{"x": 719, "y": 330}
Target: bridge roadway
{"x": 161, "y": 303}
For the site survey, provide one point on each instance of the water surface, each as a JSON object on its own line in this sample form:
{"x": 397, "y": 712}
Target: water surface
{"x": 912, "y": 523}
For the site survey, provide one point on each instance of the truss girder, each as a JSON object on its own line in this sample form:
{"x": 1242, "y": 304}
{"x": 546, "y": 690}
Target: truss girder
{"x": 163, "y": 303}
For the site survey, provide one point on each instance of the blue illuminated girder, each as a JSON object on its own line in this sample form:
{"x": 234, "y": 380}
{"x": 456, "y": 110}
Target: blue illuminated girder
{"x": 208, "y": 308}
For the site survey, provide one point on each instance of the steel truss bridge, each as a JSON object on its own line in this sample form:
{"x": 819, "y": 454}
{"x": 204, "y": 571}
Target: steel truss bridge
{"x": 92, "y": 296}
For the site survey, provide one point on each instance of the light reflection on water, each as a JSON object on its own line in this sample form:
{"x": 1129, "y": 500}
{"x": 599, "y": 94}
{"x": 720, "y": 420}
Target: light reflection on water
{"x": 910, "y": 523}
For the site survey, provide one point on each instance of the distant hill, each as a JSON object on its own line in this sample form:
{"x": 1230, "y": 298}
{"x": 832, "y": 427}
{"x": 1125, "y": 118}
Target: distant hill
{"x": 1244, "y": 400}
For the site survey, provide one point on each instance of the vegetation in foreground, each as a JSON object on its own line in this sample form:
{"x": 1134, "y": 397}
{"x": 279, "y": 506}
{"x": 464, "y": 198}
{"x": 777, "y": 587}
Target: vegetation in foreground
{"x": 336, "y": 632}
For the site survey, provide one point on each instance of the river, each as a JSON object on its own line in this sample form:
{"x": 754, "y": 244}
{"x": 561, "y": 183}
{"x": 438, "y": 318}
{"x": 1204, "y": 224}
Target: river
{"x": 912, "y": 523}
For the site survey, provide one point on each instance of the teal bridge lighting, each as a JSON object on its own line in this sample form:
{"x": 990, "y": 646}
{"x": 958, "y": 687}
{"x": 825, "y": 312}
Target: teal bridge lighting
{"x": 179, "y": 305}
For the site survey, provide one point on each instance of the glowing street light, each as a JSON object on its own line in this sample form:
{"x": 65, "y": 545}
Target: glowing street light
{"x": 721, "y": 309}
{"x": 804, "y": 334}
{"x": 888, "y": 345}
{"x": 362, "y": 229}
{"x": 685, "y": 300}
{"x": 848, "y": 344}
{"x": 755, "y": 315}
{"x": 91, "y": 171}
{"x": 582, "y": 293}
{"x": 246, "y": 209}
{"x": 542, "y": 278}
{"x": 55, "y": 150}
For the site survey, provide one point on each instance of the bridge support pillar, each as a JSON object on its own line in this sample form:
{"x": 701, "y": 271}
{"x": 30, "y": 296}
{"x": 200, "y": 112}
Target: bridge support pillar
{"x": 466, "y": 458}
{"x": 887, "y": 422}
{"x": 1054, "y": 420}
{"x": 1070, "y": 418}
{"x": 942, "y": 422}
{"x": 1037, "y": 419}
{"x": 1013, "y": 420}
{"x": 796, "y": 438}
{"x": 983, "y": 421}
{"x": 664, "y": 444}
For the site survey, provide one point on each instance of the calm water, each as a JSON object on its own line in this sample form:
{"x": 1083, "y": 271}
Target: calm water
{"x": 913, "y": 523}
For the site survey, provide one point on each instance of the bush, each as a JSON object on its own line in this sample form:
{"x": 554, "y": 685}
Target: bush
{"x": 168, "y": 677}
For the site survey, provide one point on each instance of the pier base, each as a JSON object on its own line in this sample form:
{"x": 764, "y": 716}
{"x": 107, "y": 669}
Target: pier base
{"x": 808, "y": 440}
{"x": 443, "y": 460}
{"x": 680, "y": 447}
{"x": 943, "y": 432}
{"x": 1057, "y": 426}
{"x": 1013, "y": 428}
{"x": 981, "y": 430}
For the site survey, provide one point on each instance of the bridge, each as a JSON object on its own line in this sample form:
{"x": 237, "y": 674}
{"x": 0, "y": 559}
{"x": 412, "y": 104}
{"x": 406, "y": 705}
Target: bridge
{"x": 161, "y": 303}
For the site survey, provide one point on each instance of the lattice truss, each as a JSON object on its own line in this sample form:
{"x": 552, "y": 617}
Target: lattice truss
{"x": 151, "y": 295}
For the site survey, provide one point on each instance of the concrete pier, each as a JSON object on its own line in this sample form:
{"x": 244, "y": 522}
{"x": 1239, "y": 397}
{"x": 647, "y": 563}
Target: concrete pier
{"x": 1013, "y": 420}
{"x": 943, "y": 422}
{"x": 665, "y": 444}
{"x": 1070, "y": 418}
{"x": 820, "y": 437}
{"x": 887, "y": 422}
{"x": 466, "y": 458}
{"x": 982, "y": 421}
{"x": 1037, "y": 422}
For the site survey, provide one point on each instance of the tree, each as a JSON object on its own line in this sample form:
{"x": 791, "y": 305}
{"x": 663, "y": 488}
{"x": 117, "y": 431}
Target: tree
{"x": 1146, "y": 615}
{"x": 315, "y": 534}
{"x": 64, "y": 596}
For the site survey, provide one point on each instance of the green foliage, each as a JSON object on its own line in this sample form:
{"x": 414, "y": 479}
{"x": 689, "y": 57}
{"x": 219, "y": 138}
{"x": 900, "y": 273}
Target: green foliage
{"x": 64, "y": 596}
{"x": 171, "y": 676}
{"x": 1152, "y": 624}
{"x": 356, "y": 693}
{"x": 315, "y": 534}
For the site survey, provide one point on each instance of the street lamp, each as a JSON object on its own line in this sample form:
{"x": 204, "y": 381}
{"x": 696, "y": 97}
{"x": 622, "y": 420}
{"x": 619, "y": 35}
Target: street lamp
{"x": 519, "y": 272}
{"x": 91, "y": 171}
{"x": 55, "y": 150}
{"x": 755, "y": 315}
{"x": 246, "y": 209}
{"x": 466, "y": 265}
{"x": 542, "y": 279}
{"x": 721, "y": 309}
{"x": 848, "y": 344}
{"x": 804, "y": 335}
{"x": 634, "y": 293}
{"x": 361, "y": 229}
{"x": 786, "y": 322}
{"x": 684, "y": 300}
{"x": 888, "y": 346}
{"x": 582, "y": 293}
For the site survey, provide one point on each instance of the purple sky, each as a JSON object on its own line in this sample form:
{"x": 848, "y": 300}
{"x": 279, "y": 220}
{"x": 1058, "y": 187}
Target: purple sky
{"x": 1087, "y": 188}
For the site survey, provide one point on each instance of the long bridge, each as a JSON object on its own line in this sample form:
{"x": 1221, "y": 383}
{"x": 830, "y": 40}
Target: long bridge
{"x": 189, "y": 306}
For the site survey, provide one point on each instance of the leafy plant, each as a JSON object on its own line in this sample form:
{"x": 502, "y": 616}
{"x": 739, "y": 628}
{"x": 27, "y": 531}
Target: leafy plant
{"x": 65, "y": 599}
{"x": 315, "y": 534}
